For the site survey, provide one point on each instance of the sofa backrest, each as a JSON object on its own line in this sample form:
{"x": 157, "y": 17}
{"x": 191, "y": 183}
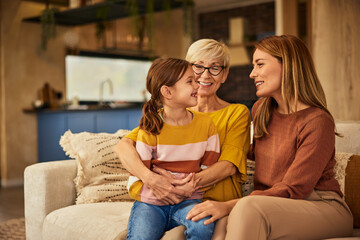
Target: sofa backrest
{"x": 350, "y": 142}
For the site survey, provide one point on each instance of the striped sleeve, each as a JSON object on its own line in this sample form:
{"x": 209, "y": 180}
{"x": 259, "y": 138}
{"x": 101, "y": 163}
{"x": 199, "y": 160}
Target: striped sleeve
{"x": 133, "y": 134}
{"x": 145, "y": 146}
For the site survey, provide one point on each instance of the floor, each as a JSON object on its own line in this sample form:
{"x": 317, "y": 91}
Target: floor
{"x": 11, "y": 203}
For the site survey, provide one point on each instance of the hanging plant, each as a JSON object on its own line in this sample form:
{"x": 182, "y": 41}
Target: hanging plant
{"x": 189, "y": 18}
{"x": 138, "y": 23}
{"x": 149, "y": 23}
{"x": 101, "y": 24}
{"x": 146, "y": 24}
{"x": 48, "y": 25}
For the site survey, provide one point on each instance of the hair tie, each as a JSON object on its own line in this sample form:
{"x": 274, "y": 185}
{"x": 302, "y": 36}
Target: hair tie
{"x": 153, "y": 101}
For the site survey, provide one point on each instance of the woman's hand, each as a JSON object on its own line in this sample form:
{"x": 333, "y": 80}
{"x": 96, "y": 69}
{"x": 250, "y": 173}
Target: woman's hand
{"x": 190, "y": 186}
{"x": 215, "y": 173}
{"x": 187, "y": 184}
{"x": 211, "y": 208}
{"x": 164, "y": 188}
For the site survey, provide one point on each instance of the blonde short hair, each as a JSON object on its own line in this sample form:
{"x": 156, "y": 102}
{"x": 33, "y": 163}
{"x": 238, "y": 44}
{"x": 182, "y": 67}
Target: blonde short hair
{"x": 208, "y": 49}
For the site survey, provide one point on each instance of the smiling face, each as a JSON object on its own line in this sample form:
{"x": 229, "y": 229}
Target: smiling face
{"x": 184, "y": 92}
{"x": 267, "y": 75}
{"x": 209, "y": 84}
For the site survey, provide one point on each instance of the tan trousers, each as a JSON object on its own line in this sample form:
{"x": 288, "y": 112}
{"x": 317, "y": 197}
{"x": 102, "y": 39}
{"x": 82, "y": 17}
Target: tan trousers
{"x": 322, "y": 215}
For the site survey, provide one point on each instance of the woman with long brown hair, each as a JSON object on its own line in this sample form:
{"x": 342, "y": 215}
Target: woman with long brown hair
{"x": 296, "y": 195}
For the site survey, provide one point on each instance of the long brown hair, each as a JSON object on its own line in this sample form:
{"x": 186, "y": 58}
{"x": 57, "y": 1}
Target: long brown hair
{"x": 299, "y": 81}
{"x": 163, "y": 71}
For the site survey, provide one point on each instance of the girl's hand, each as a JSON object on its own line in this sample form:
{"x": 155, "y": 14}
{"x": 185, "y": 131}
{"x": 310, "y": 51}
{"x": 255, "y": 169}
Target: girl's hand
{"x": 211, "y": 208}
{"x": 187, "y": 184}
{"x": 189, "y": 187}
{"x": 164, "y": 189}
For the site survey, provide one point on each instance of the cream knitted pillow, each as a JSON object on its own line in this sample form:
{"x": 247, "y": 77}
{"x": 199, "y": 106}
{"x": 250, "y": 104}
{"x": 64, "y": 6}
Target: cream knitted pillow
{"x": 342, "y": 160}
{"x": 100, "y": 174}
{"x": 248, "y": 186}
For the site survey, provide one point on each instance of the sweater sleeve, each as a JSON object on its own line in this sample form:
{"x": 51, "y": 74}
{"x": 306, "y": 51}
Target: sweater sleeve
{"x": 145, "y": 146}
{"x": 315, "y": 148}
{"x": 133, "y": 134}
{"x": 237, "y": 140}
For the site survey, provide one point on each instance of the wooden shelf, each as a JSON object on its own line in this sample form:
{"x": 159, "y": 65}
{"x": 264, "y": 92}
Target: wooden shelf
{"x": 116, "y": 53}
{"x": 88, "y": 14}
{"x": 64, "y": 3}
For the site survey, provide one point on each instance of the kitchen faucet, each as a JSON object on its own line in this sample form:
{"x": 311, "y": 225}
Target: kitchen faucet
{"x": 102, "y": 83}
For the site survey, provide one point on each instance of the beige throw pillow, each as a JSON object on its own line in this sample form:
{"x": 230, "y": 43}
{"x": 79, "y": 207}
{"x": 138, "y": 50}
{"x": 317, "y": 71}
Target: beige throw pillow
{"x": 100, "y": 174}
{"x": 342, "y": 160}
{"x": 248, "y": 186}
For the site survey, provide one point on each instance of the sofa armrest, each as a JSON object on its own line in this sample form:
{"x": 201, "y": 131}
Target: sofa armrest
{"x": 47, "y": 186}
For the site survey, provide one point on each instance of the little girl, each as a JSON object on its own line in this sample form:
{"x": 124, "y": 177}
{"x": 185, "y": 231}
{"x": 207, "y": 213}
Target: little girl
{"x": 176, "y": 139}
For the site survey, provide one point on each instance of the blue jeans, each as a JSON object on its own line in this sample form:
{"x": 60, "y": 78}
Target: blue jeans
{"x": 149, "y": 221}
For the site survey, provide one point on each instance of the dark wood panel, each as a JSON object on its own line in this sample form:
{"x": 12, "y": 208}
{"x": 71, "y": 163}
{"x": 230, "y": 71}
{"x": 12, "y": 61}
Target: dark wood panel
{"x": 52, "y": 2}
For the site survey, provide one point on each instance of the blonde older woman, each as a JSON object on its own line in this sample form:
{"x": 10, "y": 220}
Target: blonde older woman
{"x": 210, "y": 62}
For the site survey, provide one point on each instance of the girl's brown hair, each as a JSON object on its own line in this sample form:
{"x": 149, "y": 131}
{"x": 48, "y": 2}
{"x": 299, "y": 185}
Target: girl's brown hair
{"x": 299, "y": 81}
{"x": 163, "y": 71}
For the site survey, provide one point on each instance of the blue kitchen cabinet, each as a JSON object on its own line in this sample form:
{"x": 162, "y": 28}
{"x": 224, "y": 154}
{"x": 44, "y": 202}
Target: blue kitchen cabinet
{"x": 80, "y": 121}
{"x": 53, "y": 124}
{"x": 50, "y": 127}
{"x": 111, "y": 121}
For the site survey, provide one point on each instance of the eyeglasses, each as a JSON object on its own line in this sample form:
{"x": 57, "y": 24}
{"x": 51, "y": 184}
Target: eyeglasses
{"x": 213, "y": 70}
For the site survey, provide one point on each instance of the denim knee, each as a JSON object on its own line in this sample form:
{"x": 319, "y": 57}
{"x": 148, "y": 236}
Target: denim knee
{"x": 194, "y": 230}
{"x": 146, "y": 222}
{"x": 198, "y": 230}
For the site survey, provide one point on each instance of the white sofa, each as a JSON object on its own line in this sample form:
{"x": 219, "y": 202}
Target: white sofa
{"x": 51, "y": 213}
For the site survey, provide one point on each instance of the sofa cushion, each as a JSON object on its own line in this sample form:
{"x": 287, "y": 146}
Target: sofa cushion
{"x": 100, "y": 174}
{"x": 102, "y": 221}
{"x": 352, "y": 188}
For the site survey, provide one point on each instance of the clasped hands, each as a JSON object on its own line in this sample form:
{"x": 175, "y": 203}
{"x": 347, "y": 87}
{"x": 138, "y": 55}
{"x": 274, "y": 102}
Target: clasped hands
{"x": 170, "y": 190}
